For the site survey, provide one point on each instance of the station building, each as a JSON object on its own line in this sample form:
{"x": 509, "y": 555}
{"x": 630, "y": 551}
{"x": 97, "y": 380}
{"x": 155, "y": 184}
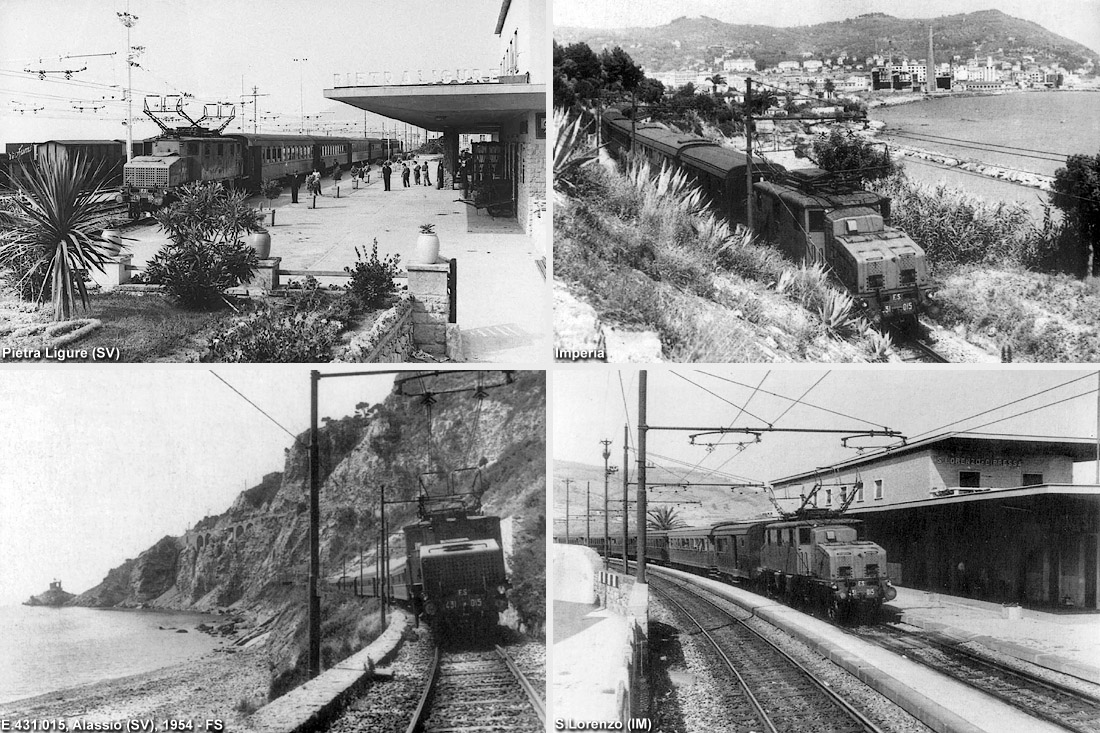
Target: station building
{"x": 992, "y": 517}
{"x": 507, "y": 103}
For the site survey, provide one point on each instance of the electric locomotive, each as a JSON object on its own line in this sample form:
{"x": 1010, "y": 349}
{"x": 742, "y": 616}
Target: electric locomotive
{"x": 811, "y": 215}
{"x": 454, "y": 569}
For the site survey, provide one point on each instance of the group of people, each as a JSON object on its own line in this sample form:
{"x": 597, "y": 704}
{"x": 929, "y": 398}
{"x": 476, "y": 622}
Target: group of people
{"x": 418, "y": 172}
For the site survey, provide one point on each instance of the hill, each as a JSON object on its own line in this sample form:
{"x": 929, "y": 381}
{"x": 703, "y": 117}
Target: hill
{"x": 251, "y": 559}
{"x": 696, "y": 505}
{"x": 684, "y": 41}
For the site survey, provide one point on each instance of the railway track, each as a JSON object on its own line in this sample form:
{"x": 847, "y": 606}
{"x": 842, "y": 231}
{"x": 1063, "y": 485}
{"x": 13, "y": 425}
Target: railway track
{"x": 477, "y": 691}
{"x": 1049, "y": 701}
{"x": 773, "y": 692}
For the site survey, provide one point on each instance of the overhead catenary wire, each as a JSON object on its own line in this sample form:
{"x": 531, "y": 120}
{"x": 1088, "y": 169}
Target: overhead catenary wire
{"x": 259, "y": 409}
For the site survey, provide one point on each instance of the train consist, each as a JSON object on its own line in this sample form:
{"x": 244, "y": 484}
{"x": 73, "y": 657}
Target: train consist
{"x": 454, "y": 570}
{"x": 18, "y": 157}
{"x": 244, "y": 161}
{"x": 809, "y": 214}
{"x": 816, "y": 561}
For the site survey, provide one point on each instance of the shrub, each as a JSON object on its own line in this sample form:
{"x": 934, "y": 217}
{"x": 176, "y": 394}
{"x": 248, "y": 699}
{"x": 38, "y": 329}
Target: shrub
{"x": 205, "y": 255}
{"x": 285, "y": 335}
{"x": 199, "y": 273}
{"x": 372, "y": 278}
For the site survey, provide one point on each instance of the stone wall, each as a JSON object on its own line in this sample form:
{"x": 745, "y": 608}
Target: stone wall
{"x": 532, "y": 185}
{"x": 389, "y": 340}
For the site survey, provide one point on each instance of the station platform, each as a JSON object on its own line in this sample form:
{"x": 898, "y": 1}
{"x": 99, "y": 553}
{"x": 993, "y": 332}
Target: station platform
{"x": 503, "y": 296}
{"x": 591, "y": 645}
{"x": 937, "y": 700}
{"x": 1064, "y": 642}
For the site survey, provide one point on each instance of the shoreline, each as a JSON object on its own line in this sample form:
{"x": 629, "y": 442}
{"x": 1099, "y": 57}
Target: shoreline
{"x": 212, "y": 686}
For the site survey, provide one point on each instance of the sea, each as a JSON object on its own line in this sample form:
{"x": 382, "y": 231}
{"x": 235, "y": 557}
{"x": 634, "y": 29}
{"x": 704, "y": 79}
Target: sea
{"x": 46, "y": 649}
{"x": 1058, "y": 122}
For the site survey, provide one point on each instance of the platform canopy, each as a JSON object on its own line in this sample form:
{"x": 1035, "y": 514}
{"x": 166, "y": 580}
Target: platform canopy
{"x": 470, "y": 108}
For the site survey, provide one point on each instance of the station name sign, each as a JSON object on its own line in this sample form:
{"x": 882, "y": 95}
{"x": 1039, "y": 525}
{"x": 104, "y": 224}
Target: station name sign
{"x": 962, "y": 459}
{"x": 414, "y": 76}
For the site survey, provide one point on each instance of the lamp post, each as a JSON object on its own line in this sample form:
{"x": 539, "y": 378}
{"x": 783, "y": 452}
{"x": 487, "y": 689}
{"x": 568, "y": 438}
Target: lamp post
{"x": 301, "y": 95}
{"x": 128, "y": 20}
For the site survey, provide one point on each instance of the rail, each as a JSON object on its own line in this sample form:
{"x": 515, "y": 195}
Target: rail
{"x": 843, "y": 706}
{"x": 532, "y": 694}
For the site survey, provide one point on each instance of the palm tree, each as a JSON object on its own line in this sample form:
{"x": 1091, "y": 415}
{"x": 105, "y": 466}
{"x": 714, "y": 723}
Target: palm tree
{"x": 664, "y": 518}
{"x": 50, "y": 245}
{"x": 715, "y": 81}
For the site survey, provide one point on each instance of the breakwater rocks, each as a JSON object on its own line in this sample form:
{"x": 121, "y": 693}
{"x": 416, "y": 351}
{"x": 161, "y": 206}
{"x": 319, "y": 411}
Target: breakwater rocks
{"x": 1022, "y": 178}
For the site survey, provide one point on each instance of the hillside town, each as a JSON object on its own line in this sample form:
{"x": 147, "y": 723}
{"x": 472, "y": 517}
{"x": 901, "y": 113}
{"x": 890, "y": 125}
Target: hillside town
{"x": 723, "y": 70}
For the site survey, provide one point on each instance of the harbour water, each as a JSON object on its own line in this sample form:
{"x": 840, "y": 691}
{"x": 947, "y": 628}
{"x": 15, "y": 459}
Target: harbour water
{"x": 46, "y": 649}
{"x": 1060, "y": 122}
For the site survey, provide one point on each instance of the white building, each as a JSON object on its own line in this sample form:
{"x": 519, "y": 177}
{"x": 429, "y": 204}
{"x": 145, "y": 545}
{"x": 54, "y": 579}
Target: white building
{"x": 739, "y": 65}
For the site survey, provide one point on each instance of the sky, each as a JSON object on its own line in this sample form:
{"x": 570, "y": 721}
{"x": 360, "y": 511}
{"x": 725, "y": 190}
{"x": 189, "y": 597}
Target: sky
{"x": 589, "y": 407}
{"x": 213, "y": 49}
{"x": 1078, "y": 20}
{"x": 99, "y": 464}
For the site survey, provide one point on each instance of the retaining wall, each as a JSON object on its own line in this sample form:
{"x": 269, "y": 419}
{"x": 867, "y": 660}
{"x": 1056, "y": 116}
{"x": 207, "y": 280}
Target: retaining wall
{"x": 389, "y": 340}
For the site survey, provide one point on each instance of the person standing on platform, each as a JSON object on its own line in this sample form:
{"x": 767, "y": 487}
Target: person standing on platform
{"x": 439, "y": 174}
{"x": 295, "y": 184}
{"x": 427, "y": 181}
{"x": 336, "y": 174}
{"x": 405, "y": 175}
{"x": 386, "y": 172}
{"x": 416, "y": 173}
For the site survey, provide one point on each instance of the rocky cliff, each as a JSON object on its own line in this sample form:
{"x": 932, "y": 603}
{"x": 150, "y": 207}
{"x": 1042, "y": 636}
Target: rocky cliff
{"x": 253, "y": 556}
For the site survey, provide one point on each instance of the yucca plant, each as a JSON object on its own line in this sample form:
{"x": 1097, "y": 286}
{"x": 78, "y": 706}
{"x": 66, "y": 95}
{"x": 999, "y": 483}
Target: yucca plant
{"x": 880, "y": 346}
{"x": 836, "y": 313}
{"x": 50, "y": 243}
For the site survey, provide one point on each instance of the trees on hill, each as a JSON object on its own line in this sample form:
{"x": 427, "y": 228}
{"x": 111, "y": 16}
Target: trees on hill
{"x": 583, "y": 77}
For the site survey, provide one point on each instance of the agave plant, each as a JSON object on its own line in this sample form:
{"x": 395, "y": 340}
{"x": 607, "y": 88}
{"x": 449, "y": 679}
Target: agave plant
{"x": 570, "y": 151}
{"x": 50, "y": 244}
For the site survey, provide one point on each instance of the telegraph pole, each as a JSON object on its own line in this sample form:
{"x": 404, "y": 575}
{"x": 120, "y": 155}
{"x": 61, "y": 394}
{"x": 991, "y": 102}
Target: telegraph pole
{"x": 301, "y": 96}
{"x": 587, "y": 513}
{"x": 606, "y": 475}
{"x": 748, "y": 151}
{"x": 642, "y": 378}
{"x": 567, "y": 482}
{"x": 626, "y": 495}
{"x": 314, "y": 531}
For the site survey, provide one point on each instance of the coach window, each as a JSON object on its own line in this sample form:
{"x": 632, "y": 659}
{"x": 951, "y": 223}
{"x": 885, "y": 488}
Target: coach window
{"x": 878, "y": 488}
{"x": 970, "y": 479}
{"x": 221, "y": 149}
{"x": 206, "y": 150}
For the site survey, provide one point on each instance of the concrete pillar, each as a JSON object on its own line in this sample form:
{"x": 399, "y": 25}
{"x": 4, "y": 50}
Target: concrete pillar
{"x": 116, "y": 271}
{"x": 266, "y": 276}
{"x": 431, "y": 306}
{"x": 450, "y": 149}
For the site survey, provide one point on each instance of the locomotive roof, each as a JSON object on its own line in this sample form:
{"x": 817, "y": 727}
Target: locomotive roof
{"x": 821, "y": 197}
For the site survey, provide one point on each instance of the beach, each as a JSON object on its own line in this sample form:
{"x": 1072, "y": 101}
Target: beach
{"x": 211, "y": 687}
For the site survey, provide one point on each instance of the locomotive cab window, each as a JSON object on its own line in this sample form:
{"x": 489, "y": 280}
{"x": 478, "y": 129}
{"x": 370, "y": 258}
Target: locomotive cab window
{"x": 817, "y": 220}
{"x": 803, "y": 535}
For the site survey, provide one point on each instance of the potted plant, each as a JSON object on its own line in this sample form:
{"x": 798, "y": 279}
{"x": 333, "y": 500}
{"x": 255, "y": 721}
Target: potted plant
{"x": 427, "y": 246}
{"x": 271, "y": 190}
